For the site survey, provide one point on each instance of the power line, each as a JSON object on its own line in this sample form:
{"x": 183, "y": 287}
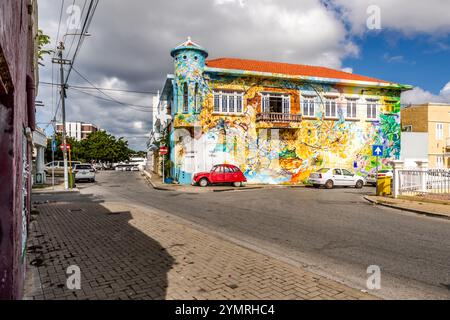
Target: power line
{"x": 132, "y": 106}
{"x": 106, "y": 89}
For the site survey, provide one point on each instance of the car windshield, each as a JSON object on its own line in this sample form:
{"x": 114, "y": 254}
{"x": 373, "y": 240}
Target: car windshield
{"x": 323, "y": 170}
{"x": 83, "y": 167}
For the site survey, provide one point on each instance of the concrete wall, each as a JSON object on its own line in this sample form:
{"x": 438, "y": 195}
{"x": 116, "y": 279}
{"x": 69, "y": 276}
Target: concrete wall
{"x": 424, "y": 118}
{"x": 17, "y": 75}
{"x": 414, "y": 147}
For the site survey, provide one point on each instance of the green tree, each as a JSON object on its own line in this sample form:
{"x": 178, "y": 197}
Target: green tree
{"x": 101, "y": 146}
{"x": 42, "y": 40}
{"x": 74, "y": 148}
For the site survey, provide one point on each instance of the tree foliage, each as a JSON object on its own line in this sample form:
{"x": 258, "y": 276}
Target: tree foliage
{"x": 99, "y": 146}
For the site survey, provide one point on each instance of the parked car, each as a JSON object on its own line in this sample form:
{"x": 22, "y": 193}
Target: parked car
{"x": 372, "y": 177}
{"x": 58, "y": 167}
{"x": 84, "y": 171}
{"x": 330, "y": 177}
{"x": 222, "y": 173}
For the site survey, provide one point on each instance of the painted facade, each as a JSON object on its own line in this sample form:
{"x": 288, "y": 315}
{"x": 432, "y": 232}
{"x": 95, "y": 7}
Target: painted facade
{"x": 18, "y": 78}
{"x": 276, "y": 126}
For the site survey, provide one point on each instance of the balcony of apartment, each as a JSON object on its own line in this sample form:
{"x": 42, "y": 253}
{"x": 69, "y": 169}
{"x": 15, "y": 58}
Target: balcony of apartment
{"x": 278, "y": 119}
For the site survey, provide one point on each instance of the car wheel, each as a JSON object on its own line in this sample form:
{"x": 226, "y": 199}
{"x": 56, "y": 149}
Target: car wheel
{"x": 329, "y": 184}
{"x": 237, "y": 184}
{"x": 203, "y": 182}
{"x": 359, "y": 184}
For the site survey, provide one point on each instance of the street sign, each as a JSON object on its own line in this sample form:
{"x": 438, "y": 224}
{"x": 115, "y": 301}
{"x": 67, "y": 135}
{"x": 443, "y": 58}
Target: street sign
{"x": 377, "y": 150}
{"x": 163, "y": 150}
{"x": 53, "y": 145}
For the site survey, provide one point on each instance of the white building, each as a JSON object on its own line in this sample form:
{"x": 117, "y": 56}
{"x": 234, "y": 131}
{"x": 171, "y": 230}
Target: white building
{"x": 77, "y": 130}
{"x": 161, "y": 120}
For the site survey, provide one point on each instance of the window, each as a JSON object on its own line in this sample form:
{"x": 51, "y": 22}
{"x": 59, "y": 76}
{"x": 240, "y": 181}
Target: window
{"x": 308, "y": 107}
{"x": 439, "y": 131}
{"x": 347, "y": 173}
{"x": 407, "y": 128}
{"x": 227, "y": 170}
{"x": 228, "y": 102}
{"x": 337, "y": 172}
{"x": 440, "y": 162}
{"x": 185, "y": 98}
{"x": 216, "y": 102}
{"x": 351, "y": 108}
{"x": 330, "y": 108}
{"x": 196, "y": 98}
{"x": 372, "y": 110}
{"x": 276, "y": 103}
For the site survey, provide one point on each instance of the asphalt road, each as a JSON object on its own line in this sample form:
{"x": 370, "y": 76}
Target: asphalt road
{"x": 335, "y": 233}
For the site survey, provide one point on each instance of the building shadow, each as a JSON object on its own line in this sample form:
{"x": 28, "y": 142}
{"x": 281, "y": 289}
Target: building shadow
{"x": 115, "y": 259}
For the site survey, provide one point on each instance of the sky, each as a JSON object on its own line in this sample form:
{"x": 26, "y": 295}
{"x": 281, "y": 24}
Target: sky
{"x": 404, "y": 41}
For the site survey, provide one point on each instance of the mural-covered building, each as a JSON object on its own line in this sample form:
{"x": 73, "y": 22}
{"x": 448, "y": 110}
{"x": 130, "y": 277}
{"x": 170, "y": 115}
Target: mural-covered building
{"x": 276, "y": 121}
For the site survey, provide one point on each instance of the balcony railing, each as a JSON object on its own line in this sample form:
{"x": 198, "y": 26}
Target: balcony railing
{"x": 278, "y": 117}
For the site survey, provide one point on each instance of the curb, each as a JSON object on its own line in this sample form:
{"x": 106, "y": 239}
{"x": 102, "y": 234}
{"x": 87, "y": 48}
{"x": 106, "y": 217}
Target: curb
{"x": 427, "y": 213}
{"x": 154, "y": 186}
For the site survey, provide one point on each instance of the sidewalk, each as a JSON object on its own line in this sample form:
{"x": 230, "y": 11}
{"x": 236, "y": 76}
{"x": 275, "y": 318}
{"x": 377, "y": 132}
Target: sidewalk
{"x": 156, "y": 183}
{"x": 125, "y": 252}
{"x": 434, "y": 209}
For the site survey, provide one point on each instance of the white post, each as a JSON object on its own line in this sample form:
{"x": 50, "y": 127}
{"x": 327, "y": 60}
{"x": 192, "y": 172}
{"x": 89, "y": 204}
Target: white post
{"x": 397, "y": 165}
{"x": 423, "y": 168}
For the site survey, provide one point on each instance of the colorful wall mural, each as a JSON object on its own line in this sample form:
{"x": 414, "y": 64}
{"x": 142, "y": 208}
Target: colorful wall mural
{"x": 275, "y": 147}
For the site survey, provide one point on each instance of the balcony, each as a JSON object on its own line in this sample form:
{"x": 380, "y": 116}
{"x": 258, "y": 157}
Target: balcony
{"x": 278, "y": 117}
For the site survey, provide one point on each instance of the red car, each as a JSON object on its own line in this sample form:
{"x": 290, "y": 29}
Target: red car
{"x": 221, "y": 173}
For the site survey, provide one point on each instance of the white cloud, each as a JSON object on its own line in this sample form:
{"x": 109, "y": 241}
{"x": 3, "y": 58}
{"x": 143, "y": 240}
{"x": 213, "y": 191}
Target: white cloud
{"x": 431, "y": 16}
{"x": 418, "y": 95}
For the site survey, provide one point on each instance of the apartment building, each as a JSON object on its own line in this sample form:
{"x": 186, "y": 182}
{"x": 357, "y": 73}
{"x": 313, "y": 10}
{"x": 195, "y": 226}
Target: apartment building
{"x": 434, "y": 119}
{"x": 77, "y": 130}
{"x": 276, "y": 121}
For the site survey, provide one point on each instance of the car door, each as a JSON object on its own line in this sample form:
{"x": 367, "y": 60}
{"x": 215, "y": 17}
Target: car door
{"x": 228, "y": 174}
{"x": 217, "y": 174}
{"x": 349, "y": 178}
{"x": 338, "y": 178}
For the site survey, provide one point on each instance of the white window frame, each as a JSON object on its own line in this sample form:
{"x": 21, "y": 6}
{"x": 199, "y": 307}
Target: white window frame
{"x": 285, "y": 102}
{"x": 331, "y": 105}
{"x": 439, "y": 131}
{"x": 439, "y": 162}
{"x": 226, "y": 99}
{"x": 309, "y": 106}
{"x": 372, "y": 104}
{"x": 351, "y": 104}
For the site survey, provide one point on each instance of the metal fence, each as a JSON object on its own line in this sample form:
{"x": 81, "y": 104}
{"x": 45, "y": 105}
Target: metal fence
{"x": 417, "y": 181}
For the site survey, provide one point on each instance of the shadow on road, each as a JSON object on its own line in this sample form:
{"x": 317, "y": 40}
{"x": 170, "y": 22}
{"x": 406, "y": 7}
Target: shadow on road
{"x": 116, "y": 260}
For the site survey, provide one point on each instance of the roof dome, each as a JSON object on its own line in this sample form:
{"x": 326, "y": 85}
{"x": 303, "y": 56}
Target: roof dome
{"x": 189, "y": 45}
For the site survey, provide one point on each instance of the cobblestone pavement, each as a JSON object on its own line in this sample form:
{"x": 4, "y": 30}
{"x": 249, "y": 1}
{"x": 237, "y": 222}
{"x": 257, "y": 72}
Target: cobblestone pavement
{"x": 126, "y": 253}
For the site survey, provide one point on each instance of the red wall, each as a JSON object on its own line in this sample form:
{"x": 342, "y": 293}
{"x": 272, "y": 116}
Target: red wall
{"x": 16, "y": 63}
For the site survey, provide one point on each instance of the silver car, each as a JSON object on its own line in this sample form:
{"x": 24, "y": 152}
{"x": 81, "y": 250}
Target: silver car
{"x": 84, "y": 171}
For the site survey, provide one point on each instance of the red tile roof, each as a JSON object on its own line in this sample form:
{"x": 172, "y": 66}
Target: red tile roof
{"x": 286, "y": 69}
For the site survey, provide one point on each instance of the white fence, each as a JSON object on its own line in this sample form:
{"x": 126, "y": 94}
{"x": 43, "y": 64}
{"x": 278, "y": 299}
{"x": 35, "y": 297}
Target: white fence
{"x": 420, "y": 180}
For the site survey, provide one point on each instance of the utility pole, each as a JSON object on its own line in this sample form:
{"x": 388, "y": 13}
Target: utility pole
{"x": 61, "y": 63}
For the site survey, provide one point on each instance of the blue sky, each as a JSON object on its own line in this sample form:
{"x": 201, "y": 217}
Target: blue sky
{"x": 417, "y": 60}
